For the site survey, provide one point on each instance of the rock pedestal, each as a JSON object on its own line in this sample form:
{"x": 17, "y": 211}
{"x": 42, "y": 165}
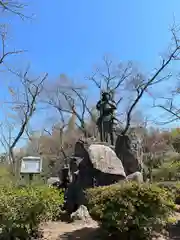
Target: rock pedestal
{"x": 97, "y": 164}
{"x": 93, "y": 165}
{"x": 129, "y": 153}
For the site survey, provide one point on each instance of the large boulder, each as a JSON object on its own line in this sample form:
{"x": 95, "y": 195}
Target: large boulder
{"x": 93, "y": 165}
{"x": 104, "y": 159}
{"x": 99, "y": 162}
{"x": 129, "y": 150}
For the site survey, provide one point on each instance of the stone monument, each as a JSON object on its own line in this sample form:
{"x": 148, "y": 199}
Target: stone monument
{"x": 97, "y": 164}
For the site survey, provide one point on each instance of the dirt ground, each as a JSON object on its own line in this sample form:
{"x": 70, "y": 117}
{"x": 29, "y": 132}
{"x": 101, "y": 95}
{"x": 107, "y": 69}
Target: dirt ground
{"x": 88, "y": 231}
{"x": 70, "y": 231}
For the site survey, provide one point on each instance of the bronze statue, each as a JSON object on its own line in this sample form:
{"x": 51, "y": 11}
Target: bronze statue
{"x": 106, "y": 107}
{"x": 65, "y": 177}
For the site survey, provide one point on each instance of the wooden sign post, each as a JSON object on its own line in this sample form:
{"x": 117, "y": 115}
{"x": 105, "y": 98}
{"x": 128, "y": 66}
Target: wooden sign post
{"x": 30, "y": 166}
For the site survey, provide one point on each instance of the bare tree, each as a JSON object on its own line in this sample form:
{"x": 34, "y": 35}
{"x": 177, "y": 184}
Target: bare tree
{"x": 67, "y": 100}
{"x": 56, "y": 140}
{"x": 169, "y": 104}
{"x": 112, "y": 77}
{"x": 14, "y": 7}
{"x": 140, "y": 84}
{"x": 170, "y": 108}
{"x": 4, "y": 52}
{"x": 57, "y": 145}
{"x": 120, "y": 80}
{"x": 6, "y": 136}
{"x": 33, "y": 146}
{"x": 23, "y": 105}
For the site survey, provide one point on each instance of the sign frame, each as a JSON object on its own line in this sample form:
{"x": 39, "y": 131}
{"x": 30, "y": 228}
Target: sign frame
{"x": 29, "y": 160}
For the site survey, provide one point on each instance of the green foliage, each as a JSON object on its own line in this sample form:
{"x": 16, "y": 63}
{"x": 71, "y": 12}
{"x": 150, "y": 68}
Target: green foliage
{"x": 176, "y": 143}
{"x": 23, "y": 209}
{"x": 175, "y": 135}
{"x": 6, "y": 176}
{"x": 173, "y": 187}
{"x": 168, "y": 171}
{"x": 150, "y": 163}
{"x": 175, "y": 132}
{"x": 129, "y": 209}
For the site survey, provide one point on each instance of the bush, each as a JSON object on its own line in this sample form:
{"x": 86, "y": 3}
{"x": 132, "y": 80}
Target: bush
{"x": 6, "y": 176}
{"x": 175, "y": 135}
{"x": 23, "y": 209}
{"x": 168, "y": 171}
{"x": 176, "y": 144}
{"x": 129, "y": 209}
{"x": 174, "y": 188}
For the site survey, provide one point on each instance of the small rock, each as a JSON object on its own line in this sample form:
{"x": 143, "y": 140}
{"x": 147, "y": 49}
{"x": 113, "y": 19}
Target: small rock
{"x": 81, "y": 214}
{"x": 137, "y": 176}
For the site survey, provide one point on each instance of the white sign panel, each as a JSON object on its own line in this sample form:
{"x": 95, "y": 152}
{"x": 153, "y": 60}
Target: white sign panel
{"x": 31, "y": 165}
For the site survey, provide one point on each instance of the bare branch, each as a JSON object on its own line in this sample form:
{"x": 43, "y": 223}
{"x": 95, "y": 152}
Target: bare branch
{"x": 93, "y": 79}
{"x": 5, "y": 54}
{"x": 48, "y": 132}
{"x": 125, "y": 74}
{"x": 112, "y": 78}
{"x": 170, "y": 108}
{"x": 161, "y": 79}
{"x": 14, "y": 7}
{"x": 25, "y": 104}
{"x": 69, "y": 100}
{"x": 143, "y": 87}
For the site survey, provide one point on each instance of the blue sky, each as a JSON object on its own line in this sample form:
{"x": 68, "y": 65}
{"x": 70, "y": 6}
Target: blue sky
{"x": 72, "y": 36}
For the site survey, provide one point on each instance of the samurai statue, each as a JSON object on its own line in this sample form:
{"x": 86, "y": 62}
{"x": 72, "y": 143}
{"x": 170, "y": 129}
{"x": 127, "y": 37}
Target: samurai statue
{"x": 106, "y": 106}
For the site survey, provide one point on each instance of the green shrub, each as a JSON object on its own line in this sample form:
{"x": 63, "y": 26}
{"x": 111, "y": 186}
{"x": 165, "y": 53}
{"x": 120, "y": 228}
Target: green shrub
{"x": 6, "y": 176}
{"x": 176, "y": 141}
{"x": 129, "y": 209}
{"x": 176, "y": 144}
{"x": 52, "y": 199}
{"x": 168, "y": 171}
{"x": 23, "y": 209}
{"x": 172, "y": 186}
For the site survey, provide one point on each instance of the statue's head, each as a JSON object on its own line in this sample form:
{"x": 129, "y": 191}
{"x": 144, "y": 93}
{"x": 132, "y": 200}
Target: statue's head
{"x": 105, "y": 96}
